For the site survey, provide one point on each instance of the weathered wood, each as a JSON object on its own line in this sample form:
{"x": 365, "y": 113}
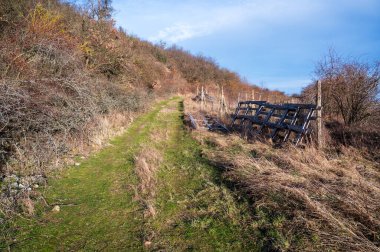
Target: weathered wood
{"x": 202, "y": 99}
{"x": 223, "y": 105}
{"x": 192, "y": 121}
{"x": 246, "y": 108}
{"x": 319, "y": 114}
{"x": 277, "y": 118}
{"x": 214, "y": 125}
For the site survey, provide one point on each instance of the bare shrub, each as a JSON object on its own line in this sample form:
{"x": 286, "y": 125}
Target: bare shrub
{"x": 49, "y": 60}
{"x": 37, "y": 118}
{"x": 350, "y": 101}
{"x": 350, "y": 88}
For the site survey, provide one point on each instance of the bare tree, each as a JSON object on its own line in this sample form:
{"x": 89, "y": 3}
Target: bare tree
{"x": 99, "y": 9}
{"x": 350, "y": 87}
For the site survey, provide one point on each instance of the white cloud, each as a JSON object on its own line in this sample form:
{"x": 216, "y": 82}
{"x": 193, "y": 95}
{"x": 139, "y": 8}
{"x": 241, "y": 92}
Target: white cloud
{"x": 257, "y": 13}
{"x": 179, "y": 32}
{"x": 199, "y": 18}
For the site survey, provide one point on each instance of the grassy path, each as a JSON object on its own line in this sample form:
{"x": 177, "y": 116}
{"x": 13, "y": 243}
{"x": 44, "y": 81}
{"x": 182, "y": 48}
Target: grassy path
{"x": 150, "y": 190}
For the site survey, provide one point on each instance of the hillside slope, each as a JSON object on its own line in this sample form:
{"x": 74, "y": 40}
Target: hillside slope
{"x": 69, "y": 80}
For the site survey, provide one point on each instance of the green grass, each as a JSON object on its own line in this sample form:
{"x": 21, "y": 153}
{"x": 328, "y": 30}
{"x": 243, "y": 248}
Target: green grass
{"x": 195, "y": 211}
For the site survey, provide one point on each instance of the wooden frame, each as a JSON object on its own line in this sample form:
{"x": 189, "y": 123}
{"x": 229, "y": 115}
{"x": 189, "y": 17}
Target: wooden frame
{"x": 278, "y": 119}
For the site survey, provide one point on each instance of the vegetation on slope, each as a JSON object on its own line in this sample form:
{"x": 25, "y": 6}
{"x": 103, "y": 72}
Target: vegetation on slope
{"x": 69, "y": 80}
{"x": 64, "y": 68}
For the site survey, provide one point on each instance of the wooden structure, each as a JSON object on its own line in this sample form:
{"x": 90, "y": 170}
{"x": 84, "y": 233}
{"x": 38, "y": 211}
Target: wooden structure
{"x": 214, "y": 125}
{"x": 223, "y": 108}
{"x": 319, "y": 115}
{"x": 280, "y": 122}
{"x": 203, "y": 97}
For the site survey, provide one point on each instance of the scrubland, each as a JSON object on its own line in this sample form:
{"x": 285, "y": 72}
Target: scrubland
{"x": 70, "y": 81}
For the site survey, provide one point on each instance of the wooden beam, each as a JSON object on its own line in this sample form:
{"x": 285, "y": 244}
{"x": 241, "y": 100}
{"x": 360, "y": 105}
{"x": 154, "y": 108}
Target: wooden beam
{"x": 202, "y": 98}
{"x": 319, "y": 114}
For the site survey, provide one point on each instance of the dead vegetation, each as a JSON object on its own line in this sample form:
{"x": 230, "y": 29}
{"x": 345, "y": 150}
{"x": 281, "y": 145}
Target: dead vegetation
{"x": 307, "y": 199}
{"x": 69, "y": 80}
{"x": 40, "y": 127}
{"x": 147, "y": 162}
{"x": 64, "y": 66}
{"x": 350, "y": 101}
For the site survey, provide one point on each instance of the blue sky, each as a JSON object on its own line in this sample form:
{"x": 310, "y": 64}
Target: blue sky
{"x": 272, "y": 43}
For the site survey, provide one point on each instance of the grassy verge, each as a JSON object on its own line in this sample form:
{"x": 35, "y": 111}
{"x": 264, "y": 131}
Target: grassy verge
{"x": 96, "y": 201}
{"x": 103, "y": 202}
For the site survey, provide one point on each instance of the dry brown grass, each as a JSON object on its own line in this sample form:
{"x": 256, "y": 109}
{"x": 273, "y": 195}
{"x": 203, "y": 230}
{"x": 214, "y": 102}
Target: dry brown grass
{"x": 330, "y": 201}
{"x": 147, "y": 162}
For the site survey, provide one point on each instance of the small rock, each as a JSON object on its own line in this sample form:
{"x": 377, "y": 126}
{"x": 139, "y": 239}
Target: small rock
{"x": 77, "y": 164}
{"x": 21, "y": 186}
{"x": 14, "y": 185}
{"x": 56, "y": 209}
{"x": 147, "y": 243}
{"x": 28, "y": 189}
{"x": 35, "y": 186}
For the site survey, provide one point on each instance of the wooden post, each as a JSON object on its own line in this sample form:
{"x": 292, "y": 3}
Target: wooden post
{"x": 221, "y": 102}
{"x": 253, "y": 94}
{"x": 319, "y": 114}
{"x": 205, "y": 102}
{"x": 202, "y": 98}
{"x": 246, "y": 96}
{"x": 260, "y": 96}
